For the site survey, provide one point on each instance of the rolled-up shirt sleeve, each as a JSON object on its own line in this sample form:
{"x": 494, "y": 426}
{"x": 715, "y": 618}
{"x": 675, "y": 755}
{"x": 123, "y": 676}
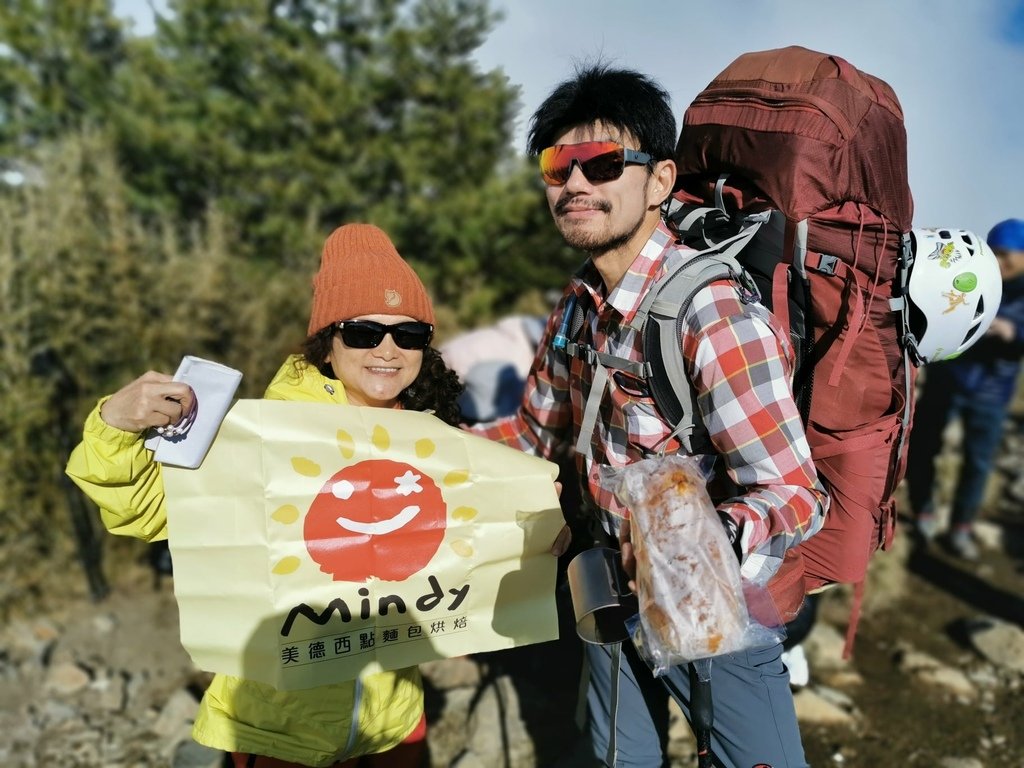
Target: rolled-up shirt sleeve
{"x": 741, "y": 368}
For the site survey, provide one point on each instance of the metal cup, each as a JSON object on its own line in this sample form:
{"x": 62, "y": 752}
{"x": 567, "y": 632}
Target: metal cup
{"x": 601, "y": 600}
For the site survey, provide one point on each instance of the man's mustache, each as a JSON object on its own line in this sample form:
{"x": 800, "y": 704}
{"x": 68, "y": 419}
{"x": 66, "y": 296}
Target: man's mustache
{"x": 596, "y": 205}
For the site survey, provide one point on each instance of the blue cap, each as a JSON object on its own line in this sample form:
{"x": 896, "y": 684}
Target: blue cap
{"x": 1007, "y": 234}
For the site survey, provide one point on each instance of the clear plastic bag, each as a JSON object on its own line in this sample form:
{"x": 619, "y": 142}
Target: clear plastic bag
{"x": 692, "y": 597}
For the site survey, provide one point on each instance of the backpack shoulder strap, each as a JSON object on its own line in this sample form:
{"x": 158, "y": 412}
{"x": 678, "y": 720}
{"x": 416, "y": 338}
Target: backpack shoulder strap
{"x": 567, "y": 339}
{"x": 660, "y": 321}
{"x": 661, "y": 317}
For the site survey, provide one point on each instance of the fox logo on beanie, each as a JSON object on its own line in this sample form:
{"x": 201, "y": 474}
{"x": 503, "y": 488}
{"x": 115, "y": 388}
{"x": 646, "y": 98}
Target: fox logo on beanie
{"x": 360, "y": 274}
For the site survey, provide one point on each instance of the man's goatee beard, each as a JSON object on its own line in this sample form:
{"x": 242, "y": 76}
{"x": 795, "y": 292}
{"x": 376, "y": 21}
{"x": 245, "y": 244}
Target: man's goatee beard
{"x": 597, "y": 247}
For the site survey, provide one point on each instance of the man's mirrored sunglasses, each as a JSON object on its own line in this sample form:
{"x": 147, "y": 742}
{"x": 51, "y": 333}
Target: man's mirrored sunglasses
{"x": 599, "y": 160}
{"x": 367, "y": 334}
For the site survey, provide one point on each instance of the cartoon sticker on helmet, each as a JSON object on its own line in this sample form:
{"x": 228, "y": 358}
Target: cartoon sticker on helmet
{"x": 946, "y": 253}
{"x": 955, "y": 300}
{"x": 377, "y": 518}
{"x": 965, "y": 281}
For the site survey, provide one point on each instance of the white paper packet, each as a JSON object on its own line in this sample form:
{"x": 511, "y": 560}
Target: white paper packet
{"x": 214, "y": 385}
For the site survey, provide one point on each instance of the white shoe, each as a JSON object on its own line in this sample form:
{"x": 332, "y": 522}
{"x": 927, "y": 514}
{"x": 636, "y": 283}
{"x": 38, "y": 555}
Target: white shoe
{"x": 927, "y": 527}
{"x": 796, "y": 662}
{"x": 962, "y": 544}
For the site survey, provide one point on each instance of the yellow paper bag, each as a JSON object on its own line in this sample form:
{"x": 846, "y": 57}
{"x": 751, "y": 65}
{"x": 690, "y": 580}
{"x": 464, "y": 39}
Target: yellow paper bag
{"x": 319, "y": 542}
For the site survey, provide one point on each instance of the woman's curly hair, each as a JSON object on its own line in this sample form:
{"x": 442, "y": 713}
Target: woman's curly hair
{"x": 436, "y": 387}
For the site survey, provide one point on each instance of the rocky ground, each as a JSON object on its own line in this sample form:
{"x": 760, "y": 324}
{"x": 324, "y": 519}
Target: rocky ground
{"x": 935, "y": 680}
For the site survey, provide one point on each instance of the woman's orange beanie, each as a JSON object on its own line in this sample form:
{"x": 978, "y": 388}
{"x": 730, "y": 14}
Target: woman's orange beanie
{"x": 361, "y": 273}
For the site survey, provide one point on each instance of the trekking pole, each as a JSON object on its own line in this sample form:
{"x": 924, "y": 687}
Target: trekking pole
{"x": 702, "y": 715}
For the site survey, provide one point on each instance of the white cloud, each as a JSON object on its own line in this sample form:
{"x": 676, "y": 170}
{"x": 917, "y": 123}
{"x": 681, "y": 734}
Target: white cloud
{"x": 951, "y": 64}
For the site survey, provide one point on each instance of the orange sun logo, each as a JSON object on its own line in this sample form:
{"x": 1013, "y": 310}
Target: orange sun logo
{"x": 377, "y": 518}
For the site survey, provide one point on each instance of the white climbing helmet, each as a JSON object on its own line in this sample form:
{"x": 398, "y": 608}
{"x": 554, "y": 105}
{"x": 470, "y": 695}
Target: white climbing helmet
{"x": 953, "y": 291}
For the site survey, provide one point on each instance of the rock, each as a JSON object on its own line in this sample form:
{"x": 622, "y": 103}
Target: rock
{"x": 953, "y": 680}
{"x": 838, "y": 698}
{"x": 811, "y": 708}
{"x": 45, "y": 630}
{"x": 988, "y": 534}
{"x": 104, "y": 623}
{"x": 843, "y": 679}
{"x": 135, "y": 686}
{"x": 910, "y": 661}
{"x": 448, "y": 731}
{"x": 179, "y": 710}
{"x": 26, "y": 641}
{"x": 53, "y": 713}
{"x": 81, "y": 748}
{"x": 497, "y": 734}
{"x": 21, "y": 734}
{"x": 679, "y": 730}
{"x": 824, "y": 649}
{"x": 445, "y": 674}
{"x": 469, "y": 760}
{"x": 1015, "y": 489}
{"x": 960, "y": 762}
{"x": 839, "y": 757}
{"x": 984, "y": 677}
{"x": 111, "y": 692}
{"x": 66, "y": 678}
{"x": 682, "y": 745}
{"x": 189, "y": 754}
{"x": 1000, "y": 642}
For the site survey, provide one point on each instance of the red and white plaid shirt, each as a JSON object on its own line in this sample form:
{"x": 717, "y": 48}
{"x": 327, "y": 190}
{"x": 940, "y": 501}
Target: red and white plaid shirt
{"x": 740, "y": 362}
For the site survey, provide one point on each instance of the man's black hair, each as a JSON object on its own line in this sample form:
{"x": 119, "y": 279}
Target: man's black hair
{"x": 619, "y": 98}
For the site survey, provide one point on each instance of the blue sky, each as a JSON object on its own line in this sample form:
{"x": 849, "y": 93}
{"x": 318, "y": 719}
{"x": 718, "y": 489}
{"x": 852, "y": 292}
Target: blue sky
{"x": 956, "y": 66}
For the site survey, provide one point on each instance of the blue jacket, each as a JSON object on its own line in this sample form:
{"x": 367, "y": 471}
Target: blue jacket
{"x": 989, "y": 369}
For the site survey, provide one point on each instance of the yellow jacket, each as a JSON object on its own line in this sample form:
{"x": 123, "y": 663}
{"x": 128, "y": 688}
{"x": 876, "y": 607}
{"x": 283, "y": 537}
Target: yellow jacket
{"x": 315, "y": 727}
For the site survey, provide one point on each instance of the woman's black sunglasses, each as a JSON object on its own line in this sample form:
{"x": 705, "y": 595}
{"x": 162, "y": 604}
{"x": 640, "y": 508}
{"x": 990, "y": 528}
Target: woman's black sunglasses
{"x": 367, "y": 334}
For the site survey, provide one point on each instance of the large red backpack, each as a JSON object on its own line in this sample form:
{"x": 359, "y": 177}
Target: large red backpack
{"x": 823, "y": 145}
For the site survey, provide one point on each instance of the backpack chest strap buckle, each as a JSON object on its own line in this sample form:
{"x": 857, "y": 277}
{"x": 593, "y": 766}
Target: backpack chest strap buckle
{"x": 583, "y": 352}
{"x": 592, "y": 357}
{"x": 826, "y": 263}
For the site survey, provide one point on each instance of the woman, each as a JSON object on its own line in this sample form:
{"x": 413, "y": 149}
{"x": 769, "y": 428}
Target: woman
{"x": 369, "y": 333}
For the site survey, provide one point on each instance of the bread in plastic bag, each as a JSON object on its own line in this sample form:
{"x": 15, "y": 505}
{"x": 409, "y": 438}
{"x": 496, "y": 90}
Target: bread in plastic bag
{"x": 690, "y": 591}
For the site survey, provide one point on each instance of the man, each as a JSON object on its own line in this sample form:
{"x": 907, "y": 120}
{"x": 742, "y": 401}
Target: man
{"x": 977, "y": 387}
{"x": 605, "y": 139}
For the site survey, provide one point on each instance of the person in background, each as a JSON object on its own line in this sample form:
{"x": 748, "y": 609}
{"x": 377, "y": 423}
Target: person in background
{"x": 605, "y": 139}
{"x": 369, "y": 344}
{"x": 977, "y": 388}
{"x": 492, "y": 363}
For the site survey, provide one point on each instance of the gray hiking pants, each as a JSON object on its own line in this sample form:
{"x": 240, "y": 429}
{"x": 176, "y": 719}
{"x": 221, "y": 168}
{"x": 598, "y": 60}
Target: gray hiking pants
{"x": 754, "y": 718}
